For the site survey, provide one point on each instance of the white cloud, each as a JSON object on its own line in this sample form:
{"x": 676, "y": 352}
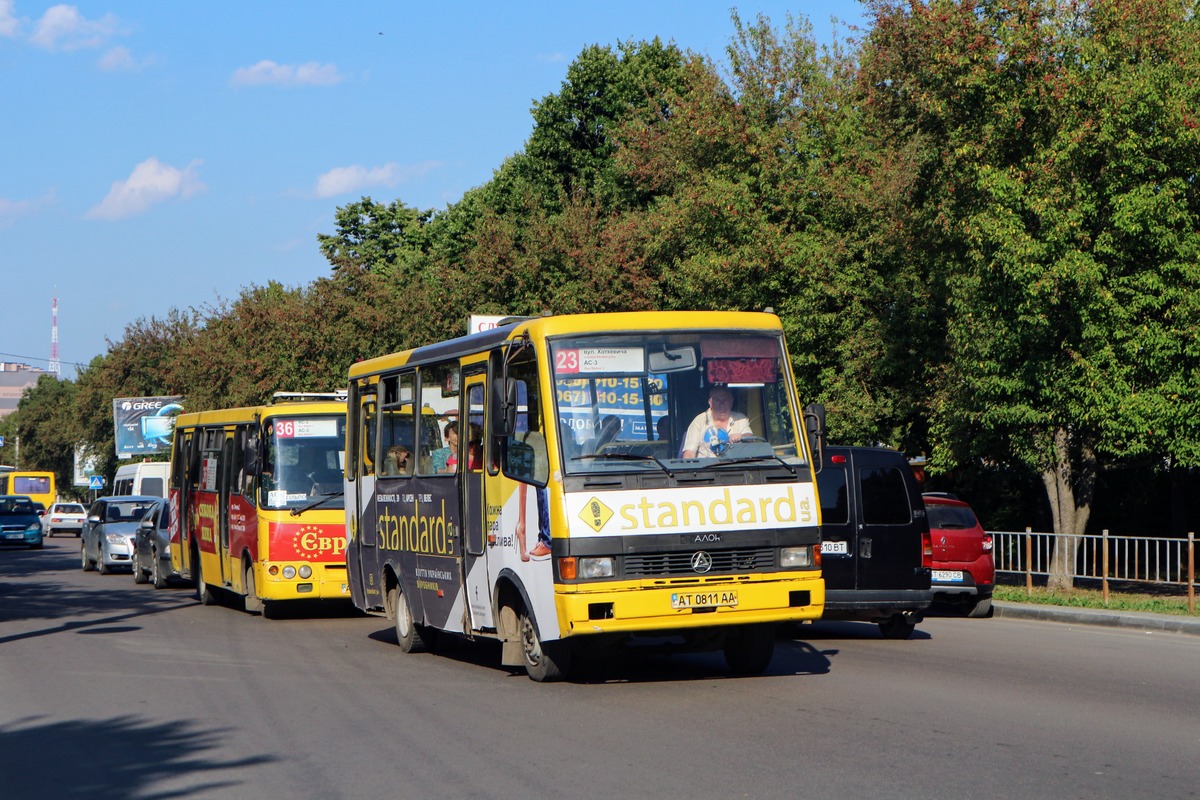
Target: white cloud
{"x": 10, "y": 26}
{"x": 266, "y": 73}
{"x": 118, "y": 59}
{"x": 355, "y": 178}
{"x": 11, "y": 209}
{"x": 551, "y": 58}
{"x": 150, "y": 183}
{"x": 62, "y": 27}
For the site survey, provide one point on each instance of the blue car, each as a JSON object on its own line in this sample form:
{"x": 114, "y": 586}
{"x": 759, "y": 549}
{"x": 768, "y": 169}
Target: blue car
{"x": 20, "y": 523}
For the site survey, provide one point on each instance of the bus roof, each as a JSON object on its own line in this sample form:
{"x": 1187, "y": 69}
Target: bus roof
{"x": 229, "y": 416}
{"x": 542, "y": 327}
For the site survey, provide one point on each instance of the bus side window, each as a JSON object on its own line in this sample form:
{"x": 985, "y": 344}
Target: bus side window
{"x": 395, "y": 428}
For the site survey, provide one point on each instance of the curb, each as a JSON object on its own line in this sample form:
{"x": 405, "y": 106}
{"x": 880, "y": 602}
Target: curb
{"x": 1091, "y": 616}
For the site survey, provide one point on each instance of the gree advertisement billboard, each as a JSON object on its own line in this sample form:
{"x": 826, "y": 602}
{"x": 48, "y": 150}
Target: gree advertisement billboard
{"x": 144, "y": 425}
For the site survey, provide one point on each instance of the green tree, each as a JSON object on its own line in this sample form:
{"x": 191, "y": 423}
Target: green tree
{"x": 390, "y": 239}
{"x": 767, "y": 191}
{"x": 45, "y": 431}
{"x": 1058, "y": 195}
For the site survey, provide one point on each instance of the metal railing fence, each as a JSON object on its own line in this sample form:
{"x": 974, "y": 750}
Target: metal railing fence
{"x": 1102, "y": 557}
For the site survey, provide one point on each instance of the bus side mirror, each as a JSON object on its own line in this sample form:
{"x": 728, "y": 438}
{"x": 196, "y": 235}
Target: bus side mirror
{"x": 814, "y": 427}
{"x": 502, "y": 416}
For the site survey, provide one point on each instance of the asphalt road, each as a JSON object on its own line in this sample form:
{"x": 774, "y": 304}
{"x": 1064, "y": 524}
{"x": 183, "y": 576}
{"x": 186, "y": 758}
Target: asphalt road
{"x": 113, "y": 690}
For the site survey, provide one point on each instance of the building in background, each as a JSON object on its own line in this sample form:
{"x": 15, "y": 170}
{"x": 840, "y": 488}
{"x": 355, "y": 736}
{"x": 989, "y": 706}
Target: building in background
{"x": 14, "y": 379}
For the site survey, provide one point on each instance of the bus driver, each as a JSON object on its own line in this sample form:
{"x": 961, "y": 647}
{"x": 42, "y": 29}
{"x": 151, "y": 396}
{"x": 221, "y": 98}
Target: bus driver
{"x": 712, "y": 431}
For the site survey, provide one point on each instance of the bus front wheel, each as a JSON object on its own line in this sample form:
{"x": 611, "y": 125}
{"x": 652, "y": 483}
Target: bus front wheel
{"x": 750, "y": 648}
{"x": 408, "y": 633}
{"x": 544, "y": 661}
{"x": 204, "y": 592}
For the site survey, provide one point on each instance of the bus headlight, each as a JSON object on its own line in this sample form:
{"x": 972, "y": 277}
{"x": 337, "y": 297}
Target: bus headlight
{"x": 305, "y": 571}
{"x": 592, "y": 568}
{"x": 289, "y": 572}
{"x": 795, "y": 557}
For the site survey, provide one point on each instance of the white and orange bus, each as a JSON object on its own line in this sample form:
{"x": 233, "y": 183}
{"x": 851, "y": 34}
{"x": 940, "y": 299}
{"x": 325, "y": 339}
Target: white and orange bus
{"x": 256, "y": 501}
{"x": 582, "y": 497}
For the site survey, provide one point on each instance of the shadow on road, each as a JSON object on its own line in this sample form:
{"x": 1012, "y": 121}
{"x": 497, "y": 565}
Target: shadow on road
{"x": 115, "y": 759}
{"x": 29, "y": 591}
{"x": 640, "y": 663}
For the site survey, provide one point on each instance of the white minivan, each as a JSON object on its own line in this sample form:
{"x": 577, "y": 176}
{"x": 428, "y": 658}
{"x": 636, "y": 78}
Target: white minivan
{"x": 146, "y": 478}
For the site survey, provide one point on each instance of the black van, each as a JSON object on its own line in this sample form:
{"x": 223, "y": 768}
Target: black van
{"x": 876, "y": 553}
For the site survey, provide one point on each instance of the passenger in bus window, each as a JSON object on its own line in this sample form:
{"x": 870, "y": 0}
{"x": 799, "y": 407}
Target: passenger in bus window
{"x": 663, "y": 427}
{"x": 713, "y": 430}
{"x": 475, "y": 446}
{"x": 398, "y": 461}
{"x": 445, "y": 459}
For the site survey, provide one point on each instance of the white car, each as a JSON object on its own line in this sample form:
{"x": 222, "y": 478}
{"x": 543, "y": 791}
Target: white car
{"x": 64, "y": 518}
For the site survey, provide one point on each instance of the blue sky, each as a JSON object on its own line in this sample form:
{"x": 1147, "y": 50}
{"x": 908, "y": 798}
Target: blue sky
{"x": 167, "y": 154}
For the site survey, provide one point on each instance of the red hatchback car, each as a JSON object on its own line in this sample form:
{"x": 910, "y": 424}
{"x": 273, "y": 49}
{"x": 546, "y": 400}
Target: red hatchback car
{"x": 963, "y": 570}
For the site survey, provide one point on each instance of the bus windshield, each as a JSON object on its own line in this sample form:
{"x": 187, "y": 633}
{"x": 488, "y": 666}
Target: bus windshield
{"x": 678, "y": 400}
{"x": 303, "y": 460}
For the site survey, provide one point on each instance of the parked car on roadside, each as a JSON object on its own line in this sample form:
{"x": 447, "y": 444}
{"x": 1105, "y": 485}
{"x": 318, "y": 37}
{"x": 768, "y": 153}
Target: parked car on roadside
{"x": 107, "y": 538}
{"x": 20, "y": 523}
{"x": 64, "y": 518}
{"x": 152, "y": 546}
{"x": 964, "y": 571}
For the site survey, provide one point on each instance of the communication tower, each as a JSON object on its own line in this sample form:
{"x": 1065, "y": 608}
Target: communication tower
{"x": 55, "y": 366}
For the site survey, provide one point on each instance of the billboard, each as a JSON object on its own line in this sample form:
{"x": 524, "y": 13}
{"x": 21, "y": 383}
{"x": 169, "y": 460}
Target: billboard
{"x": 85, "y": 468}
{"x": 144, "y": 425}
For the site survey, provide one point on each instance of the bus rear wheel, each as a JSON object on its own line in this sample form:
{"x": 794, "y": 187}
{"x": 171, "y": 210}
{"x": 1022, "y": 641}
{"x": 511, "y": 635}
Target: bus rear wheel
{"x": 749, "y": 648}
{"x": 544, "y": 661}
{"x": 408, "y": 633}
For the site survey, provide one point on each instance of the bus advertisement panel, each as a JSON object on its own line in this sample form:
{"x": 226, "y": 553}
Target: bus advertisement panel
{"x": 613, "y": 476}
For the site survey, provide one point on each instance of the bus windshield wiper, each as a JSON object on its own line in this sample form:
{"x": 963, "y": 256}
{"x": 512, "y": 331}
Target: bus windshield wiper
{"x": 628, "y": 457}
{"x": 750, "y": 459}
{"x": 307, "y": 506}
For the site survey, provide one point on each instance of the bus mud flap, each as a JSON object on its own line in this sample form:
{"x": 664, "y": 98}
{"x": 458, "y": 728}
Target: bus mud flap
{"x": 511, "y": 654}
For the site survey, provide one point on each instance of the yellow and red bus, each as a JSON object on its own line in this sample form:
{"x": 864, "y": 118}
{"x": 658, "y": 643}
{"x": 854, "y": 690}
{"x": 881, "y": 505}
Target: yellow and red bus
{"x": 256, "y": 501}
{"x": 37, "y": 486}
{"x": 581, "y": 496}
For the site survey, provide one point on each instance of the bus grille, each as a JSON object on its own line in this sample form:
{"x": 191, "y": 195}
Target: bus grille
{"x": 723, "y": 562}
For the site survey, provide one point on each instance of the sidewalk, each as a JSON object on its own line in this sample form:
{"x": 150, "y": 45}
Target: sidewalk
{"x": 1166, "y": 623}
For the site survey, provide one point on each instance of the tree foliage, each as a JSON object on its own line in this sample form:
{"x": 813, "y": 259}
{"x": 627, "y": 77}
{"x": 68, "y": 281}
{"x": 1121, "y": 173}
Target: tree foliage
{"x": 1060, "y": 184}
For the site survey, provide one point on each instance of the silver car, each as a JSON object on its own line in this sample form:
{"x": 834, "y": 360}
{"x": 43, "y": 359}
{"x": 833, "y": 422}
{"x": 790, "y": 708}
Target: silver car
{"x": 64, "y": 518}
{"x": 109, "y": 529}
{"x": 152, "y": 547}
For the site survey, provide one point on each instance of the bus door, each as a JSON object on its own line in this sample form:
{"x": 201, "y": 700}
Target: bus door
{"x": 225, "y": 478}
{"x": 360, "y": 506}
{"x": 435, "y": 535}
{"x": 184, "y": 472}
{"x": 477, "y": 523}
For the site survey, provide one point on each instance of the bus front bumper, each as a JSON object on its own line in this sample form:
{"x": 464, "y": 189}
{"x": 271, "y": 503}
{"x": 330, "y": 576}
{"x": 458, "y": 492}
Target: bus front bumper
{"x": 665, "y": 606}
